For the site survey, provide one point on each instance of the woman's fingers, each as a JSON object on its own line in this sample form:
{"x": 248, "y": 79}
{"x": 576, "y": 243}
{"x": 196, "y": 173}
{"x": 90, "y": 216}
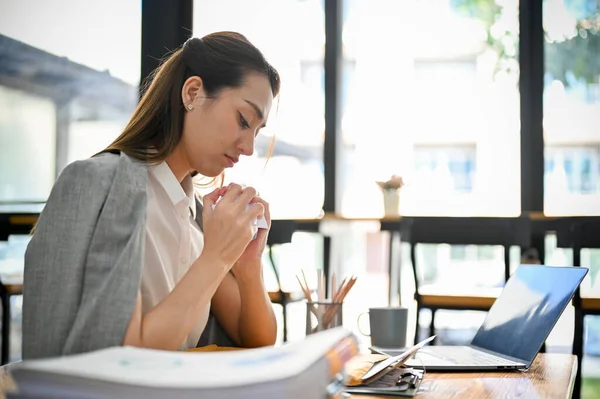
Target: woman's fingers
{"x": 230, "y": 227}
{"x": 265, "y": 204}
{"x": 211, "y": 198}
{"x": 255, "y": 211}
{"x": 247, "y": 195}
{"x": 239, "y": 204}
{"x": 232, "y": 194}
{"x": 235, "y": 193}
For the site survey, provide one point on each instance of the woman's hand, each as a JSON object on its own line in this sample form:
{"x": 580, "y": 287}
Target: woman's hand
{"x": 242, "y": 304}
{"x": 229, "y": 227}
{"x": 250, "y": 260}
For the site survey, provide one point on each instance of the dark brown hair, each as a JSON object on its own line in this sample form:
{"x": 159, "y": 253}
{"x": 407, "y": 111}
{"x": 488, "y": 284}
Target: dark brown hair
{"x": 221, "y": 60}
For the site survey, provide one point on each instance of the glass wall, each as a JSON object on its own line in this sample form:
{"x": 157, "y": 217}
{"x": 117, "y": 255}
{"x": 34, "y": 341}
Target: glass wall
{"x": 291, "y": 35}
{"x": 432, "y": 96}
{"x": 430, "y": 93}
{"x": 27, "y": 145}
{"x": 68, "y": 84}
{"x": 572, "y": 107}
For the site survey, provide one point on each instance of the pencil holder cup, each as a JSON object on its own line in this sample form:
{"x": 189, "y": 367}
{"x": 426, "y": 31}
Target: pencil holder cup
{"x": 323, "y": 315}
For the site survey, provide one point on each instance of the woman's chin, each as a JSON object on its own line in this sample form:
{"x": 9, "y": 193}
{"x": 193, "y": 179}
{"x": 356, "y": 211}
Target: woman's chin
{"x": 210, "y": 172}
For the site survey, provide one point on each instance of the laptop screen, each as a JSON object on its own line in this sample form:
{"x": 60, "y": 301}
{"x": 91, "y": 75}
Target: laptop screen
{"x": 528, "y": 308}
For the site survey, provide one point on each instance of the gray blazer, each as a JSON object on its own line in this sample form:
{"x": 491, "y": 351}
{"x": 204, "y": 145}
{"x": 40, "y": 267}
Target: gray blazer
{"x": 84, "y": 261}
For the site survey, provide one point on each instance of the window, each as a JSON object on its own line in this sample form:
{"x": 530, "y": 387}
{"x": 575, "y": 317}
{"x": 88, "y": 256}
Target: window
{"x": 69, "y": 86}
{"x": 446, "y": 267}
{"x": 27, "y": 145}
{"x": 452, "y": 167}
{"x": 431, "y": 94}
{"x": 292, "y": 179}
{"x": 458, "y": 252}
{"x": 573, "y": 170}
{"x": 572, "y": 107}
{"x": 447, "y": 86}
{"x": 433, "y": 81}
{"x": 486, "y": 252}
{"x": 428, "y": 262}
{"x": 313, "y": 76}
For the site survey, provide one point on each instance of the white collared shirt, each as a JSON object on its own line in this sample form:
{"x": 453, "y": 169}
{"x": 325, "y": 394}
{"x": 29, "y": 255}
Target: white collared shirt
{"x": 173, "y": 240}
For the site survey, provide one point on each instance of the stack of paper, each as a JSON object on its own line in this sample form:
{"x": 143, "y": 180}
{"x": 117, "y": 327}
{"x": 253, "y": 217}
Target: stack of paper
{"x": 305, "y": 369}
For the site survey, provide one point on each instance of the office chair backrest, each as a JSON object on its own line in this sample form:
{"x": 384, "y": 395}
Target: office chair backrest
{"x": 4, "y": 227}
{"x": 578, "y": 232}
{"x": 281, "y": 232}
{"x": 467, "y": 230}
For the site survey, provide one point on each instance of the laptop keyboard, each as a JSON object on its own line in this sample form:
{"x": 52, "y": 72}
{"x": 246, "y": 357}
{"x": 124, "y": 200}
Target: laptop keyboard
{"x": 466, "y": 356}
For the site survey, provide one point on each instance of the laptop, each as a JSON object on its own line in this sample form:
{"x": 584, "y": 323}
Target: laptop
{"x": 515, "y": 327}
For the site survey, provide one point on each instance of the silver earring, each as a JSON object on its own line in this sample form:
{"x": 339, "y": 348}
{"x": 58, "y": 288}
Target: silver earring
{"x": 190, "y": 107}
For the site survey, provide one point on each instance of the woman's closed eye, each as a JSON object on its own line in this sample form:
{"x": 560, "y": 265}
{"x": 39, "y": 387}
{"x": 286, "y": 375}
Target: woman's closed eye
{"x": 243, "y": 122}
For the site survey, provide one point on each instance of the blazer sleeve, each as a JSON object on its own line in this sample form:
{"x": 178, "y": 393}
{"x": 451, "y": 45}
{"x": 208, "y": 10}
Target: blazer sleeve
{"x": 82, "y": 265}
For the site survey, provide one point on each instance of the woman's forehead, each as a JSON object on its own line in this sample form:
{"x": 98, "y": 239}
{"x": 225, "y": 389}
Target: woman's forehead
{"x": 255, "y": 91}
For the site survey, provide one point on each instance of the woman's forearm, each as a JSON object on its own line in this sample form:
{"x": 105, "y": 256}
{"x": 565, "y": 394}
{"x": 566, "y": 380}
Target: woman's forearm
{"x": 168, "y": 324}
{"x": 257, "y": 322}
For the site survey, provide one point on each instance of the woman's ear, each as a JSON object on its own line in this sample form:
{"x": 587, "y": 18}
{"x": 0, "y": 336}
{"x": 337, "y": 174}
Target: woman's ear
{"x": 192, "y": 92}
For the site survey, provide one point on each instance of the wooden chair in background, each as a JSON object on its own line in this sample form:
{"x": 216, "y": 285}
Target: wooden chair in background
{"x": 281, "y": 233}
{"x": 7, "y": 290}
{"x": 461, "y": 231}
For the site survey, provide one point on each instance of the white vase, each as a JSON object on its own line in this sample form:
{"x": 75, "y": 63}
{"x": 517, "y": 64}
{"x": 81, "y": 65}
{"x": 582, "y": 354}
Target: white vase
{"x": 391, "y": 202}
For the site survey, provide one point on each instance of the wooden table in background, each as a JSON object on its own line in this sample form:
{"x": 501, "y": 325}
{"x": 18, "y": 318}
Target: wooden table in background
{"x": 550, "y": 376}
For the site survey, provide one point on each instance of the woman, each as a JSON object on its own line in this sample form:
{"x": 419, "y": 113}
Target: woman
{"x": 124, "y": 254}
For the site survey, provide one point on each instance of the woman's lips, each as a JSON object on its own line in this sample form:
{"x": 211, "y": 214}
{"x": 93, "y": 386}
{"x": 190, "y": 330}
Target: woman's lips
{"x": 231, "y": 161}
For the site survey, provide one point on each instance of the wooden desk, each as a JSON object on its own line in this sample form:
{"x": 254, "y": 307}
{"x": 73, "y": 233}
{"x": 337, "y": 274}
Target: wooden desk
{"x": 436, "y": 296}
{"x": 551, "y": 376}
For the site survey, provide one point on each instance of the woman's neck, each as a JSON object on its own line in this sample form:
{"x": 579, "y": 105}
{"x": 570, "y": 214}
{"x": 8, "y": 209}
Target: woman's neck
{"x": 178, "y": 164}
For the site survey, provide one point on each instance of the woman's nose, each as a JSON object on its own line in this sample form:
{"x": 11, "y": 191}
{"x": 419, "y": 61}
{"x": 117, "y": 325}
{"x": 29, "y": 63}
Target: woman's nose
{"x": 247, "y": 145}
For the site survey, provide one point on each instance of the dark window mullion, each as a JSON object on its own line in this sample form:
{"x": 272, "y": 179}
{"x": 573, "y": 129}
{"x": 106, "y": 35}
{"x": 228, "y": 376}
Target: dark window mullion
{"x": 165, "y": 27}
{"x": 531, "y": 86}
{"x": 333, "y": 85}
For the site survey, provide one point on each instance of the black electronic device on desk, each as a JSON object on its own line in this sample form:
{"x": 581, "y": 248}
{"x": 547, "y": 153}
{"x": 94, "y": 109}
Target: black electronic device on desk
{"x": 390, "y": 377}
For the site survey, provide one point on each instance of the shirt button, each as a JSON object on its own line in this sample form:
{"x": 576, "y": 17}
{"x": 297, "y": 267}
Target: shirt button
{"x": 183, "y": 260}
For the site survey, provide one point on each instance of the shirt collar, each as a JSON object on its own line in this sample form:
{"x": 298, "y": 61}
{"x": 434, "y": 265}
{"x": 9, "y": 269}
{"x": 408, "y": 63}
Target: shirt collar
{"x": 176, "y": 192}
